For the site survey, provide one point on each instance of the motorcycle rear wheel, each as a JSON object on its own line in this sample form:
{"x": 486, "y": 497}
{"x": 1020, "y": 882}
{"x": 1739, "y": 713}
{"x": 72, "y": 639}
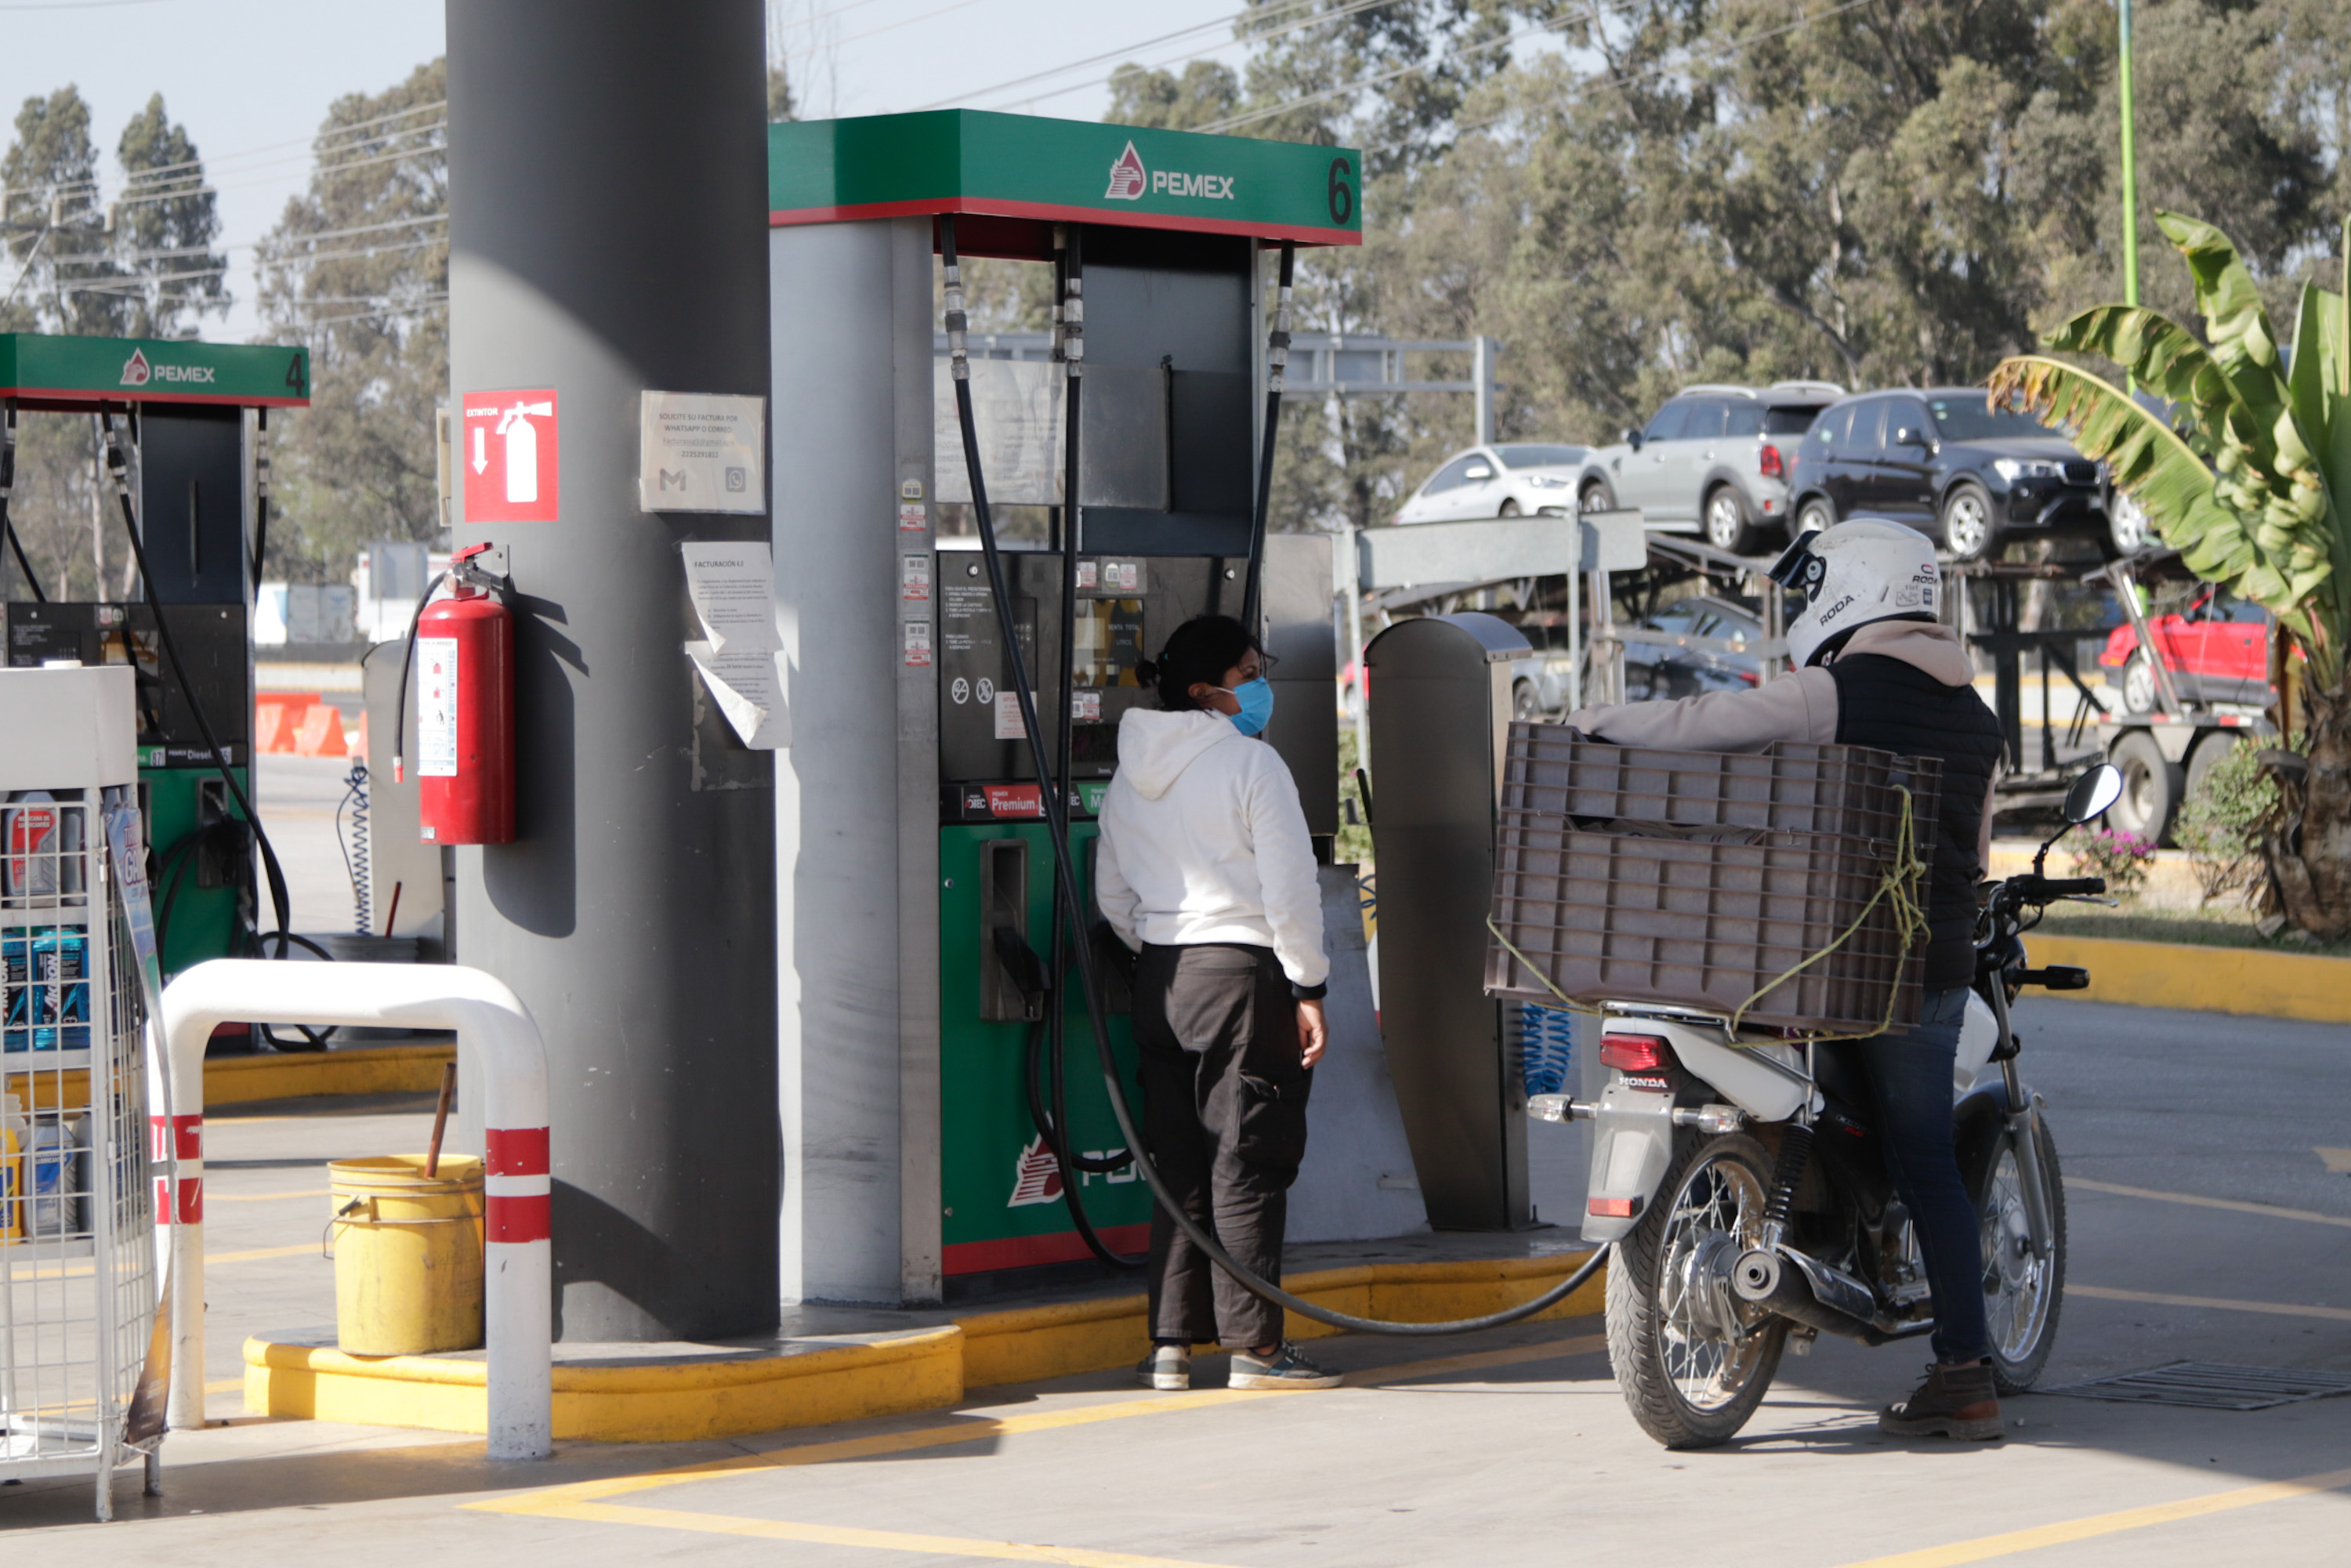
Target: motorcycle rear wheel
{"x": 2023, "y": 1294}
{"x": 1690, "y": 1382}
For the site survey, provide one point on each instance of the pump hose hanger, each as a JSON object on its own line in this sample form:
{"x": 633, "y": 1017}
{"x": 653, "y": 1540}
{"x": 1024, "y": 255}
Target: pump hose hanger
{"x": 1056, "y": 808}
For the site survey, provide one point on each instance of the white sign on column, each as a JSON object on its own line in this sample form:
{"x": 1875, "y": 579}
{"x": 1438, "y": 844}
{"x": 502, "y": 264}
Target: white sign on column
{"x": 702, "y": 452}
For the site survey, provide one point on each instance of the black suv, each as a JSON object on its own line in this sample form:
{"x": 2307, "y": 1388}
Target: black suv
{"x": 1972, "y": 478}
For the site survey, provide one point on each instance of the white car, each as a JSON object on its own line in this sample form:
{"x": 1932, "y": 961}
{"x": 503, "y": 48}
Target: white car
{"x": 1509, "y": 479}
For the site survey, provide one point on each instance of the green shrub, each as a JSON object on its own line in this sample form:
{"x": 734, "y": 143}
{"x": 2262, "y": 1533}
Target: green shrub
{"x": 2218, "y": 825}
{"x": 2121, "y": 858}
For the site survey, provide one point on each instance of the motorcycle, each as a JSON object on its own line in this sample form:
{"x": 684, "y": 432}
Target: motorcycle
{"x": 1748, "y": 1200}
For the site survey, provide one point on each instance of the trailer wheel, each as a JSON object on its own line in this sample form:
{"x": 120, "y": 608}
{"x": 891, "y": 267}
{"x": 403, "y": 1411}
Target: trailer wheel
{"x": 2152, "y": 788}
{"x": 2216, "y": 744}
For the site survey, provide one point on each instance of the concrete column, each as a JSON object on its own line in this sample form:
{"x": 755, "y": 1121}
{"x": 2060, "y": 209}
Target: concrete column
{"x": 606, "y": 226}
{"x": 857, "y": 800}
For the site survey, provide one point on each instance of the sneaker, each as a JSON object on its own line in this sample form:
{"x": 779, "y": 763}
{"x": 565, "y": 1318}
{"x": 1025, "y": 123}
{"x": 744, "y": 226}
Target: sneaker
{"x": 1168, "y": 1366}
{"x": 1953, "y": 1402}
{"x": 1285, "y": 1368}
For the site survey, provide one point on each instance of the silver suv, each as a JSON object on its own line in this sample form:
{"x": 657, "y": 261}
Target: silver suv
{"x": 1712, "y": 461}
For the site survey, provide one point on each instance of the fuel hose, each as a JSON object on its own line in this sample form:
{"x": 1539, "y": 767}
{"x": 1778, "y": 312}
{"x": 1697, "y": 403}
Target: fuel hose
{"x": 281, "y": 903}
{"x": 1056, "y": 807}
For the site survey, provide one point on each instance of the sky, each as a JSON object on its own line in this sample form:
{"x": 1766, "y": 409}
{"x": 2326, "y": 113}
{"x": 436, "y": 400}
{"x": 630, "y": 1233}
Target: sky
{"x": 251, "y": 79}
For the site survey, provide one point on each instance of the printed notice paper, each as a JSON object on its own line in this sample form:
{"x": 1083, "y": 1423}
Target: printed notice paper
{"x": 701, "y": 452}
{"x": 748, "y": 685}
{"x": 733, "y": 587}
{"x": 740, "y": 659}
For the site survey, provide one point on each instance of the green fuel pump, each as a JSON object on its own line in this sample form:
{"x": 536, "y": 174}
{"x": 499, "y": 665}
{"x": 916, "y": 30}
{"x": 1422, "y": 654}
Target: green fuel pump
{"x": 934, "y": 826}
{"x": 197, "y": 469}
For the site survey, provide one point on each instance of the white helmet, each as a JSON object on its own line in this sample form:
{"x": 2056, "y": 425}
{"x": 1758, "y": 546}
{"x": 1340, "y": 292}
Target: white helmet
{"x": 1853, "y": 573}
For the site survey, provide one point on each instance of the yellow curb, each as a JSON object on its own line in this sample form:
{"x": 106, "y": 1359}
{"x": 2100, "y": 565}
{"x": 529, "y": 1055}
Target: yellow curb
{"x": 668, "y": 1402}
{"x": 924, "y": 1369}
{"x": 2248, "y": 981}
{"x": 293, "y": 1075}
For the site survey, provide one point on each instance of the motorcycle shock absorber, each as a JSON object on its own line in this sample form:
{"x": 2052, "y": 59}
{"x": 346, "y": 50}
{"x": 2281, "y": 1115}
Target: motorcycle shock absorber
{"x": 1787, "y": 1175}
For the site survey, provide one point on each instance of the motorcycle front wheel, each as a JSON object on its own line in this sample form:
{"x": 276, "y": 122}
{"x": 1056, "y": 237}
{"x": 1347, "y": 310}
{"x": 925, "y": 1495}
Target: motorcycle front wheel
{"x": 2023, "y": 1292}
{"x": 1693, "y": 1360}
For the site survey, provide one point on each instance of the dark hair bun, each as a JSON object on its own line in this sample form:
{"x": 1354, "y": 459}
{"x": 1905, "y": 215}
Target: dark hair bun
{"x": 1146, "y": 672}
{"x": 1202, "y": 650}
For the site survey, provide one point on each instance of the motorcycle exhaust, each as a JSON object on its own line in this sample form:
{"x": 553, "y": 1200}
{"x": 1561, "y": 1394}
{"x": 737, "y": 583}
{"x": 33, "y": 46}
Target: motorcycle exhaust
{"x": 1813, "y": 1294}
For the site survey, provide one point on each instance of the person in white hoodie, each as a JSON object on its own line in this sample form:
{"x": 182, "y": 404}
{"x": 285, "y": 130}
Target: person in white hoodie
{"x": 1875, "y": 667}
{"x": 1206, "y": 872}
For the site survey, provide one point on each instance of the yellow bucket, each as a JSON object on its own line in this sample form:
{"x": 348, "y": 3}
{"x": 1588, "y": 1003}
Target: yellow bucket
{"x": 408, "y": 1254}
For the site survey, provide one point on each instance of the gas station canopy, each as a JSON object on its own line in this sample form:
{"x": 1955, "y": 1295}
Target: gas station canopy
{"x": 1017, "y": 174}
{"x": 40, "y": 372}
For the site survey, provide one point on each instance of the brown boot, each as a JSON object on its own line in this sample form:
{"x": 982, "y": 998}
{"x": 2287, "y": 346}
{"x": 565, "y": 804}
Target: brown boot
{"x": 1954, "y": 1402}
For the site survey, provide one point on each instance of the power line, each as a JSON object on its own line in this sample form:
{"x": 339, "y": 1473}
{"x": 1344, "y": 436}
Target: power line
{"x": 1097, "y": 60}
{"x": 310, "y": 144}
{"x": 1253, "y": 116}
{"x": 1260, "y": 35}
{"x": 870, "y": 32}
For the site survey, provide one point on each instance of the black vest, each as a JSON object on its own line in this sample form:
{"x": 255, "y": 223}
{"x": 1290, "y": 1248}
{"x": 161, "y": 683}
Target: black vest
{"x": 1896, "y": 707}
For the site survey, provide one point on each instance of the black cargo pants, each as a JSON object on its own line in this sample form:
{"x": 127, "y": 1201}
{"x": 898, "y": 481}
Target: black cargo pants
{"x": 1224, "y": 1114}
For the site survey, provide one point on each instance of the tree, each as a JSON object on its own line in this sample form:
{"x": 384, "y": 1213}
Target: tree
{"x": 358, "y": 268}
{"x": 780, "y": 106}
{"x": 56, "y": 222}
{"x": 2269, "y": 520}
{"x": 1206, "y": 92}
{"x": 164, "y": 228}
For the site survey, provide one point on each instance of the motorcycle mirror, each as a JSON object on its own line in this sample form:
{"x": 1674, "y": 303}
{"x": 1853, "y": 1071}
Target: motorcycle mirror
{"x": 2092, "y": 792}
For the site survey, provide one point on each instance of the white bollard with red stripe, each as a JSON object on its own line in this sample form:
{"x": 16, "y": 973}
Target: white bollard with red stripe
{"x": 489, "y": 1021}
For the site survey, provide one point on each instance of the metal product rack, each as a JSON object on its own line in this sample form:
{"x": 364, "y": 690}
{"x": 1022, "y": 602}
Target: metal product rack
{"x": 81, "y": 1363}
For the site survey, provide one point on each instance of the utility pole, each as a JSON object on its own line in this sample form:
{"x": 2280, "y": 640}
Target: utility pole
{"x": 2130, "y": 175}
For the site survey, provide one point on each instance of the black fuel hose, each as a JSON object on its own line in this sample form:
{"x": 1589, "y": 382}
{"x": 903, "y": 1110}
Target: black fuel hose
{"x": 1074, "y": 356}
{"x": 281, "y": 903}
{"x": 1065, "y": 880}
{"x": 1277, "y": 358}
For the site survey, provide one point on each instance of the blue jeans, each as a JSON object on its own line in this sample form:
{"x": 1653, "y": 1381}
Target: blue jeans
{"x": 1909, "y": 1074}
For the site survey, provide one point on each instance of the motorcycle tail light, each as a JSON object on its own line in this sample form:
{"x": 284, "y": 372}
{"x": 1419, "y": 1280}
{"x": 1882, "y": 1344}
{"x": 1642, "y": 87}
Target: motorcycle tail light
{"x": 1774, "y": 467}
{"x": 1635, "y": 1053}
{"x": 1613, "y": 1207}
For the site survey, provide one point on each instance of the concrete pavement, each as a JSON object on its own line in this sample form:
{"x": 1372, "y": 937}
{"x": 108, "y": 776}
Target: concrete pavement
{"x": 1504, "y": 1449}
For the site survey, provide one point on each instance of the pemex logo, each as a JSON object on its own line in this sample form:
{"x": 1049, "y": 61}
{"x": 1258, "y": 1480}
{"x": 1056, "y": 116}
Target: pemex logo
{"x": 1036, "y": 1175}
{"x": 1127, "y": 179}
{"x": 135, "y": 370}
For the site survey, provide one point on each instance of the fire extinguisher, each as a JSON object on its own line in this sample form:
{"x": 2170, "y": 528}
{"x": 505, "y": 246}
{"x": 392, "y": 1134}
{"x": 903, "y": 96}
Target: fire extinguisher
{"x": 462, "y": 654}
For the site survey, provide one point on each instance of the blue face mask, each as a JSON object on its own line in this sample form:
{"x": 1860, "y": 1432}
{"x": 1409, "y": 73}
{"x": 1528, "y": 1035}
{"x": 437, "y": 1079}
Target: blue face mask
{"x": 1256, "y": 698}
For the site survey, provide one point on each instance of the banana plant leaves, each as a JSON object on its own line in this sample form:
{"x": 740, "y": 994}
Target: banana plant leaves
{"x": 2264, "y": 519}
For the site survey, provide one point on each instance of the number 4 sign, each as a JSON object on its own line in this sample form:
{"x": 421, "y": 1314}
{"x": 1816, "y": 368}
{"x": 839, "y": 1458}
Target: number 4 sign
{"x": 510, "y": 455}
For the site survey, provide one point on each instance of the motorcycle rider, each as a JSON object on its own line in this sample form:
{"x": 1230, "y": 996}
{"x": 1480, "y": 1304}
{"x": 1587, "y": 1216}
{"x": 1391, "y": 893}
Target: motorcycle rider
{"x": 1875, "y": 667}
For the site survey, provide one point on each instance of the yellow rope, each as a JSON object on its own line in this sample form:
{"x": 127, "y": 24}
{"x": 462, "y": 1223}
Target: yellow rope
{"x": 1898, "y": 884}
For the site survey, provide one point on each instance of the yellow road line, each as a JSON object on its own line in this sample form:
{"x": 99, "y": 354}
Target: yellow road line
{"x": 2268, "y": 1210}
{"x": 261, "y": 1197}
{"x": 584, "y": 1500}
{"x": 876, "y": 1540}
{"x": 81, "y": 1271}
{"x": 982, "y": 1428}
{"x": 2015, "y": 1541}
{"x": 2219, "y": 1303}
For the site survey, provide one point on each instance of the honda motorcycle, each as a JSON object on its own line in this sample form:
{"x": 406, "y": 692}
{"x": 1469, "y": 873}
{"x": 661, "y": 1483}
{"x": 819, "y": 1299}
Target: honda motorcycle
{"x": 1748, "y": 1200}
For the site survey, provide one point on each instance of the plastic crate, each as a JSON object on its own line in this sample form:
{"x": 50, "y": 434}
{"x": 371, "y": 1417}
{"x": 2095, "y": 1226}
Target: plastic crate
{"x": 1792, "y": 785}
{"x": 1702, "y": 923}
